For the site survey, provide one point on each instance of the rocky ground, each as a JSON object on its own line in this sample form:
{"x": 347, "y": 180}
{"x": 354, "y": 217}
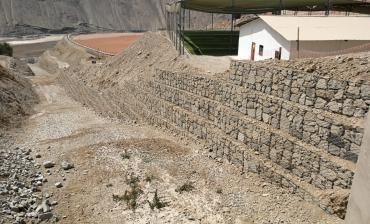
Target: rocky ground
{"x": 21, "y": 181}
{"x": 69, "y": 165}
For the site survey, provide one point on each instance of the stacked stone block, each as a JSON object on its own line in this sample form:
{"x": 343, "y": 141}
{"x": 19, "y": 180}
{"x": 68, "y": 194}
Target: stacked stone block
{"x": 337, "y": 134}
{"x": 264, "y": 120}
{"x": 270, "y": 144}
{"x": 344, "y": 97}
{"x": 295, "y": 129}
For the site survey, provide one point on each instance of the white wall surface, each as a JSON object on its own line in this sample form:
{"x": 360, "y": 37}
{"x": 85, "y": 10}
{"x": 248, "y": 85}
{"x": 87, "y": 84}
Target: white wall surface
{"x": 260, "y": 33}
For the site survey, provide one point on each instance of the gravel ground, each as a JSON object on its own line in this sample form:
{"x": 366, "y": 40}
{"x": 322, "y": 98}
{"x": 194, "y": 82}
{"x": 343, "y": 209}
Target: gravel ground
{"x": 21, "y": 198}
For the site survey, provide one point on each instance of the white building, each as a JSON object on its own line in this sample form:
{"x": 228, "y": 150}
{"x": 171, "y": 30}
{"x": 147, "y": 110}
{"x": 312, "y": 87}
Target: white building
{"x": 288, "y": 37}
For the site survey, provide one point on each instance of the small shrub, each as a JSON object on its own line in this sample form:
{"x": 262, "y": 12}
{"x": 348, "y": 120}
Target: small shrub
{"x": 157, "y": 203}
{"x": 6, "y": 49}
{"x": 187, "y": 187}
{"x": 219, "y": 191}
{"x": 125, "y": 155}
{"x": 131, "y": 196}
{"x": 149, "y": 178}
{"x": 133, "y": 180}
{"x": 117, "y": 198}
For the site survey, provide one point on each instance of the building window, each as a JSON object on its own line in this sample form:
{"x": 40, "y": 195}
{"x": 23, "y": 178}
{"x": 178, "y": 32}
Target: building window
{"x": 260, "y": 52}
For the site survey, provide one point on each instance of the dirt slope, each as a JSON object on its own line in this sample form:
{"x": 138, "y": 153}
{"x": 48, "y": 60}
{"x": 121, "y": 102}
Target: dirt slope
{"x": 139, "y": 61}
{"x": 16, "y": 97}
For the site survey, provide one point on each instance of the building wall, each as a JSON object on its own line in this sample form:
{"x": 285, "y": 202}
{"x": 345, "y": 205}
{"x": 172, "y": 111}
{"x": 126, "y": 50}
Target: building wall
{"x": 259, "y": 32}
{"x": 313, "y": 49}
{"x": 359, "y": 204}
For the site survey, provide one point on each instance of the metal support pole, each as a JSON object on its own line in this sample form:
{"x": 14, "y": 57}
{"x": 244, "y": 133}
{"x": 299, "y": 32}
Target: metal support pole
{"x": 178, "y": 25}
{"x": 167, "y": 24}
{"x": 281, "y": 6}
{"x": 212, "y": 21}
{"x": 189, "y": 19}
{"x": 231, "y": 28}
{"x": 298, "y": 33}
{"x": 171, "y": 27}
{"x": 176, "y": 28}
{"x": 183, "y": 29}
{"x": 328, "y": 7}
{"x": 231, "y": 32}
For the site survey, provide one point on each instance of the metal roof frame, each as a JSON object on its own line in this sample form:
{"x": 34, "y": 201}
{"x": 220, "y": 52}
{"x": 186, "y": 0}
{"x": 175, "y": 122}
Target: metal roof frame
{"x": 263, "y": 6}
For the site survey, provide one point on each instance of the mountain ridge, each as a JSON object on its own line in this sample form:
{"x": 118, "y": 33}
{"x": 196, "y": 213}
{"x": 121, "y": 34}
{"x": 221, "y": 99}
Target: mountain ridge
{"x": 27, "y": 17}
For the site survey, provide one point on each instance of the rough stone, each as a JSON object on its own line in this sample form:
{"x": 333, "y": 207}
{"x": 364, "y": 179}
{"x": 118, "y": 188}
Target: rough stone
{"x": 58, "y": 185}
{"x": 321, "y": 84}
{"x": 320, "y": 103}
{"x": 45, "y": 216}
{"x": 48, "y": 164}
{"x": 67, "y": 166}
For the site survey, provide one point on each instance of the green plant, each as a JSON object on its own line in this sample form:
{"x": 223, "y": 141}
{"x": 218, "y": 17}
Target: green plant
{"x": 187, "y": 187}
{"x": 219, "y": 191}
{"x": 131, "y": 196}
{"x": 149, "y": 178}
{"x": 125, "y": 155}
{"x": 133, "y": 180}
{"x": 117, "y": 198}
{"x": 157, "y": 203}
{"x": 6, "y": 49}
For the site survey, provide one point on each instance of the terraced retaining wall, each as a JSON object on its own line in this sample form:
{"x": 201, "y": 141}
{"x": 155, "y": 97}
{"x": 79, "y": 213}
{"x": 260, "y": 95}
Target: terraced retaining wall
{"x": 298, "y": 130}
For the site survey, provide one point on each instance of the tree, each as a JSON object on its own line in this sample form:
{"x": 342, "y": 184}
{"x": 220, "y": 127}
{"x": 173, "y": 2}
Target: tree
{"x": 6, "y": 49}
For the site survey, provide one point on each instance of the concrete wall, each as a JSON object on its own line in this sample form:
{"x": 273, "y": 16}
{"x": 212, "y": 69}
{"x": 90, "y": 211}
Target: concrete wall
{"x": 359, "y": 205}
{"x": 260, "y": 33}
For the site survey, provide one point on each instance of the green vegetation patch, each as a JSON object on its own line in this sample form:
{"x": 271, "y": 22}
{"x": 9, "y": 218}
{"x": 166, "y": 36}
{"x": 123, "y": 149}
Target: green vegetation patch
{"x": 6, "y": 49}
{"x": 215, "y": 43}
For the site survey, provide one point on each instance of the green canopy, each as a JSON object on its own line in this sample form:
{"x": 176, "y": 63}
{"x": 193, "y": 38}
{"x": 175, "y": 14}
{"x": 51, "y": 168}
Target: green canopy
{"x": 261, "y": 6}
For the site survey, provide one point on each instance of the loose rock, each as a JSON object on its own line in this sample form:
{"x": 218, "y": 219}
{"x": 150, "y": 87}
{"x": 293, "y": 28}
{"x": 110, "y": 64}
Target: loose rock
{"x": 67, "y": 166}
{"x": 48, "y": 164}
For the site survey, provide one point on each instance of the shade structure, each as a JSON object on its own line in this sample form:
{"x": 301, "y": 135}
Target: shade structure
{"x": 262, "y": 6}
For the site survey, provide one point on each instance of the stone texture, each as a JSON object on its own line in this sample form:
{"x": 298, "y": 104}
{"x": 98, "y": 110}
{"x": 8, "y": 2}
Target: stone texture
{"x": 263, "y": 120}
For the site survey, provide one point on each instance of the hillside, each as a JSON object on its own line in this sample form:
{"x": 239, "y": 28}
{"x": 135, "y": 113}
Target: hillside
{"x": 23, "y": 17}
